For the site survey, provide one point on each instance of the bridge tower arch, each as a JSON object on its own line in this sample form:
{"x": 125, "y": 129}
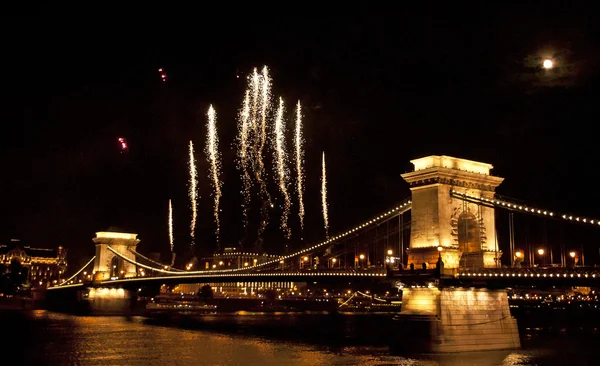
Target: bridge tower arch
{"x": 465, "y": 231}
{"x": 107, "y": 264}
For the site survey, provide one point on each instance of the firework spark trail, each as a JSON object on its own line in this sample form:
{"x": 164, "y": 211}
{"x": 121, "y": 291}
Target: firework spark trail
{"x": 171, "y": 241}
{"x": 280, "y": 167}
{"x": 265, "y": 104}
{"x": 171, "y": 226}
{"x": 193, "y": 191}
{"x": 299, "y": 160}
{"x": 243, "y": 155}
{"x": 212, "y": 154}
{"x": 255, "y": 86}
{"x": 324, "y": 198}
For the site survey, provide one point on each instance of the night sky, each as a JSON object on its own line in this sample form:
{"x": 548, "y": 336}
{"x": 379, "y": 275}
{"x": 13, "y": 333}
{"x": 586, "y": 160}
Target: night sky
{"x": 378, "y": 91}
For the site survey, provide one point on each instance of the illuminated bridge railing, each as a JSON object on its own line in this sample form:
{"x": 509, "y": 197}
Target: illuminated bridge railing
{"x": 541, "y": 273}
{"x": 255, "y": 275}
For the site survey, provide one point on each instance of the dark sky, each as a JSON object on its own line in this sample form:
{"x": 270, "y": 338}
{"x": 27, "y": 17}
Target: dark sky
{"x": 379, "y": 90}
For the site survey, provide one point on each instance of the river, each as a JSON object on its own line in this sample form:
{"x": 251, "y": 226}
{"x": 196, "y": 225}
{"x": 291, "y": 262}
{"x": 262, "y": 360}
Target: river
{"x": 39, "y": 337}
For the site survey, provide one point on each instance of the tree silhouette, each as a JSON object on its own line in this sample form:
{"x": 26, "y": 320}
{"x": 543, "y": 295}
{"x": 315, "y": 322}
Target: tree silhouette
{"x": 205, "y": 292}
{"x": 13, "y": 277}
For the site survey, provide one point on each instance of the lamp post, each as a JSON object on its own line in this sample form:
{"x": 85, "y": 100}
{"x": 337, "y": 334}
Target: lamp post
{"x": 541, "y": 252}
{"x": 518, "y": 258}
{"x": 439, "y": 266}
{"x": 573, "y": 255}
{"x": 304, "y": 261}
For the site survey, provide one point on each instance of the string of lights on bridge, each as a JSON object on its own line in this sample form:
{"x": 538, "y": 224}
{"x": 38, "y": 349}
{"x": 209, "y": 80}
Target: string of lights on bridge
{"x": 78, "y": 272}
{"x": 400, "y": 209}
{"x": 524, "y": 208}
{"x": 532, "y": 275}
{"x": 405, "y": 206}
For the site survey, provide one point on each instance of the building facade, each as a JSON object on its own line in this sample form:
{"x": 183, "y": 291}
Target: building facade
{"x": 40, "y": 266}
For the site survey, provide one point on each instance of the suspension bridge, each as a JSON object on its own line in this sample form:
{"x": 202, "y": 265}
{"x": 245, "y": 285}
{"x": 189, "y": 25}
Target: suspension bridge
{"x": 440, "y": 247}
{"x": 450, "y": 217}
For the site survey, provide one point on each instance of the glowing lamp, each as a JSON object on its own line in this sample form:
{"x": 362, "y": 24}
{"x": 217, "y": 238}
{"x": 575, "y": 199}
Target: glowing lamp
{"x": 390, "y": 252}
{"x": 572, "y": 254}
{"x": 541, "y": 251}
{"x": 548, "y": 64}
{"x": 518, "y": 254}
{"x": 440, "y": 248}
{"x": 362, "y": 256}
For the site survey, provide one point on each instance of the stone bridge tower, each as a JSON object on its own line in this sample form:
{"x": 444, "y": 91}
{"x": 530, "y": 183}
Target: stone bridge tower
{"x": 466, "y": 232}
{"x": 108, "y": 265}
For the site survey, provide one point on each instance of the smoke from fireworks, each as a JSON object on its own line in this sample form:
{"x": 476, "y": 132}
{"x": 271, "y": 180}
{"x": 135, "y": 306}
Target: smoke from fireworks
{"x": 212, "y": 154}
{"x": 299, "y": 160}
{"x": 324, "y": 198}
{"x": 243, "y": 154}
{"x": 171, "y": 225}
{"x": 280, "y": 167}
{"x": 193, "y": 191}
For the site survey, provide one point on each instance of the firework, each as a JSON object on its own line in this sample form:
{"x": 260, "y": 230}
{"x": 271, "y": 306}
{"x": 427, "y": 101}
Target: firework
{"x": 261, "y": 131}
{"x": 171, "y": 225}
{"x": 324, "y": 198}
{"x": 212, "y": 154}
{"x": 243, "y": 154}
{"x": 193, "y": 191}
{"x": 280, "y": 167}
{"x": 299, "y": 160}
{"x": 255, "y": 86}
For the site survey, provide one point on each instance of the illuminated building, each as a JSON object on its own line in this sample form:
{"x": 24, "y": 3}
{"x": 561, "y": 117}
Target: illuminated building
{"x": 42, "y": 266}
{"x": 232, "y": 258}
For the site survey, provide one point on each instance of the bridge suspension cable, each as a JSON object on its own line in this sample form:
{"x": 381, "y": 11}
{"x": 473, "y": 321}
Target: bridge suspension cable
{"x": 78, "y": 272}
{"x": 519, "y": 207}
{"x": 398, "y": 210}
{"x": 140, "y": 264}
{"x": 153, "y": 261}
{"x": 403, "y": 207}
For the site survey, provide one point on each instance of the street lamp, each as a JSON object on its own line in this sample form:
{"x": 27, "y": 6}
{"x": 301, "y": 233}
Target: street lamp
{"x": 361, "y": 257}
{"x": 541, "y": 252}
{"x": 574, "y": 256}
{"x": 390, "y": 252}
{"x": 548, "y": 64}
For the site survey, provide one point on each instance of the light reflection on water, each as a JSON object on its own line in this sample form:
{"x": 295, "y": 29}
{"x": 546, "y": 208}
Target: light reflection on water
{"x": 58, "y": 339}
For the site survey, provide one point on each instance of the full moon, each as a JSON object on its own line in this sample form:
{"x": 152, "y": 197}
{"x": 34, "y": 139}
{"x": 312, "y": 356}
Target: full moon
{"x": 548, "y": 64}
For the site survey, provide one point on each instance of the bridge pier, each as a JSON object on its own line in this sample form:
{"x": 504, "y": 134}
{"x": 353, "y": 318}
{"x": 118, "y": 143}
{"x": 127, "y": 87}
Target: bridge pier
{"x": 94, "y": 301}
{"x": 456, "y": 320}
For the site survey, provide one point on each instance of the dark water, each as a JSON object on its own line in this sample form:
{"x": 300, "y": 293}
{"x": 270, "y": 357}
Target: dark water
{"x": 45, "y": 338}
